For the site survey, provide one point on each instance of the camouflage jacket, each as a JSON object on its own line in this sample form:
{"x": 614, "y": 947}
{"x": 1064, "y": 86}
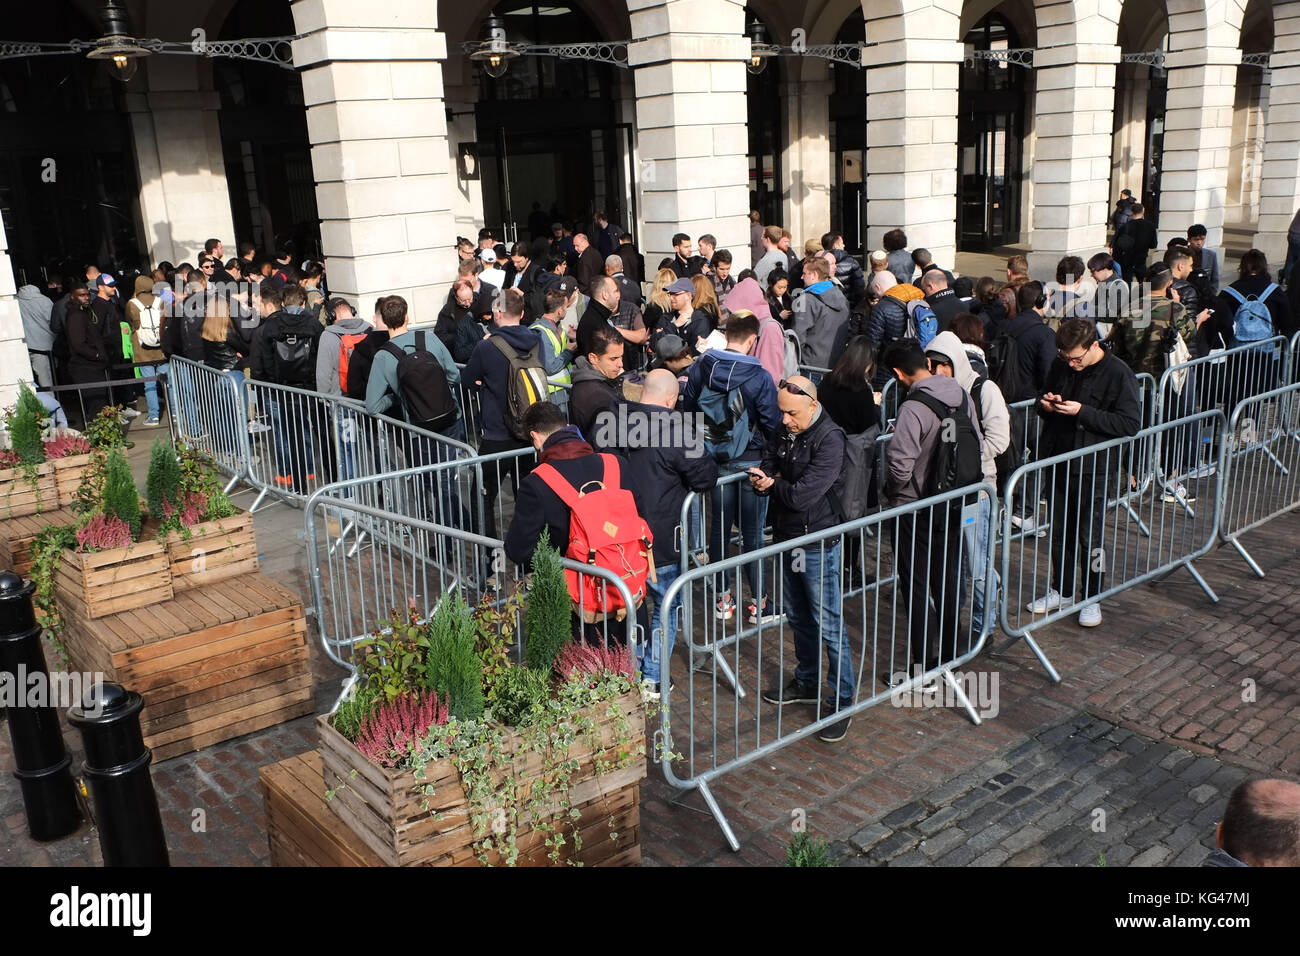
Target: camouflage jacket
{"x": 1145, "y": 340}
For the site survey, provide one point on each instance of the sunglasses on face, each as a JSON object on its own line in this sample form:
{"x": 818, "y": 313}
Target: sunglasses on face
{"x": 794, "y": 389}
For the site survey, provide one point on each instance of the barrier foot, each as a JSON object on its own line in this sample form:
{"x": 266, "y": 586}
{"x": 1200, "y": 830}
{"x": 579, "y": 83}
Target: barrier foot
{"x": 1142, "y": 525}
{"x": 1038, "y": 652}
{"x": 719, "y": 663}
{"x": 961, "y": 696}
{"x": 719, "y": 817}
{"x": 230, "y": 485}
{"x": 261, "y": 495}
{"x": 1209, "y": 592}
{"x": 1245, "y": 556}
{"x": 1277, "y": 461}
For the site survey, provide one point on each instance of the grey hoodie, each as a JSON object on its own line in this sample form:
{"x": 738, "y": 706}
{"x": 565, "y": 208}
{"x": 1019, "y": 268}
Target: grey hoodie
{"x": 327, "y": 359}
{"x": 910, "y": 452}
{"x": 35, "y": 309}
{"x": 818, "y": 317}
{"x": 994, "y": 416}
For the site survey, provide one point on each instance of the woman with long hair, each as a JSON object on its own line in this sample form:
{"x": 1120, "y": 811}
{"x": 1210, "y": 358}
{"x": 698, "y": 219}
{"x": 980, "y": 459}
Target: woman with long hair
{"x": 224, "y": 348}
{"x": 846, "y": 392}
{"x": 659, "y": 306}
{"x": 706, "y": 299}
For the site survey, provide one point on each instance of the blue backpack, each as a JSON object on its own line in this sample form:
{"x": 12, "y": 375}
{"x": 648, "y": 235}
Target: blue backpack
{"x": 1251, "y": 322}
{"x": 922, "y": 324}
{"x": 727, "y": 426}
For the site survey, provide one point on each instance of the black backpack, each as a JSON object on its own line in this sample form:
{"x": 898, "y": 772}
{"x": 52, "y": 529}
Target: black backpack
{"x": 293, "y": 357}
{"x": 1004, "y": 368}
{"x": 956, "y": 462}
{"x": 1012, "y": 458}
{"x": 363, "y": 357}
{"x": 422, "y": 386}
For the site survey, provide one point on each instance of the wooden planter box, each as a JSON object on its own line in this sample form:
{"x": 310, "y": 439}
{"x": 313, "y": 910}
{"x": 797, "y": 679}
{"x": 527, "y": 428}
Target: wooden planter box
{"x": 68, "y": 473}
{"x": 19, "y": 496}
{"x": 390, "y": 812}
{"x": 213, "y": 663}
{"x": 96, "y": 584}
{"x": 214, "y": 551}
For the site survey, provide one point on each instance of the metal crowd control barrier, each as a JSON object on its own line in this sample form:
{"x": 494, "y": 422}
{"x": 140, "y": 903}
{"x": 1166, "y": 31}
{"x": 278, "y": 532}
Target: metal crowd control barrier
{"x": 1111, "y": 550}
{"x": 211, "y": 415}
{"x": 1261, "y": 478}
{"x": 922, "y": 547}
{"x": 301, "y": 440}
{"x": 412, "y": 563}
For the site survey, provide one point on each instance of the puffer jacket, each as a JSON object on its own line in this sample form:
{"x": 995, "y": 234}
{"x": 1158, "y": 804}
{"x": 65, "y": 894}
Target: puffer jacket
{"x": 849, "y": 272}
{"x": 889, "y": 316}
{"x": 994, "y": 416}
{"x": 808, "y": 473}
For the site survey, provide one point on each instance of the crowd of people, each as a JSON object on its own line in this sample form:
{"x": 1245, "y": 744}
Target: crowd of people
{"x": 770, "y": 378}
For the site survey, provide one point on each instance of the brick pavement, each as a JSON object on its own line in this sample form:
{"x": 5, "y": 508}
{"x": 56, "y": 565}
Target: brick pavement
{"x": 1152, "y": 723}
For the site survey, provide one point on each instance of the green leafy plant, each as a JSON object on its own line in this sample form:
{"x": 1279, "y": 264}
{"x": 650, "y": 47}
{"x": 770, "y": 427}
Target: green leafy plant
{"x": 105, "y": 430}
{"x": 547, "y": 620}
{"x": 495, "y": 625}
{"x": 24, "y": 426}
{"x": 806, "y": 851}
{"x": 163, "y": 486}
{"x": 47, "y": 554}
{"x": 452, "y": 667}
{"x": 353, "y": 711}
{"x": 520, "y": 696}
{"x": 390, "y": 662}
{"x": 121, "y": 499}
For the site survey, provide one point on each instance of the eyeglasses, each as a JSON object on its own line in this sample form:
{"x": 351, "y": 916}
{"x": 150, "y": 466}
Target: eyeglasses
{"x": 794, "y": 389}
{"x": 1076, "y": 360}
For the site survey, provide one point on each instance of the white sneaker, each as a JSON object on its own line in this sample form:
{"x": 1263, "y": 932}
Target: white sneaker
{"x": 257, "y": 428}
{"x": 1028, "y": 526}
{"x": 1179, "y": 492}
{"x": 130, "y": 413}
{"x": 1090, "y": 615}
{"x": 1046, "y": 604}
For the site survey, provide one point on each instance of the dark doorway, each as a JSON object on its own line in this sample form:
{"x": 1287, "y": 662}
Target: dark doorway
{"x": 1155, "y": 142}
{"x": 990, "y": 134}
{"x": 548, "y": 131}
{"x": 69, "y": 190}
{"x": 264, "y": 139}
{"x": 764, "y": 115}
{"x": 848, "y": 106}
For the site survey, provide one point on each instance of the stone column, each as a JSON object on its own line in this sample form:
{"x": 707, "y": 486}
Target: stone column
{"x": 184, "y": 199}
{"x": 372, "y": 81}
{"x": 808, "y": 157}
{"x": 14, "y": 359}
{"x": 912, "y": 137}
{"x": 1279, "y": 189}
{"x": 692, "y": 165}
{"x": 1198, "y": 140}
{"x": 1073, "y": 104}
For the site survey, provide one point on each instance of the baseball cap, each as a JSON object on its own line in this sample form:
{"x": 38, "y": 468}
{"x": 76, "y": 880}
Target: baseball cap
{"x": 488, "y": 255}
{"x": 105, "y": 279}
{"x": 567, "y": 285}
{"x": 682, "y": 285}
{"x": 669, "y": 347}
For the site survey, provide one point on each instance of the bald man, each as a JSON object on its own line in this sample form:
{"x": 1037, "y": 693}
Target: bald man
{"x": 803, "y": 475}
{"x": 666, "y": 449}
{"x": 1261, "y": 826}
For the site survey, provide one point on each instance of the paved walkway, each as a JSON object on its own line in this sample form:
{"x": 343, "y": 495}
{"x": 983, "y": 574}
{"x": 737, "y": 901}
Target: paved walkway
{"x": 1127, "y": 761}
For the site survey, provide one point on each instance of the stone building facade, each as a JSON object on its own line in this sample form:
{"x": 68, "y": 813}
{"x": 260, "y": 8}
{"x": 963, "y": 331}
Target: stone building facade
{"x": 971, "y": 125}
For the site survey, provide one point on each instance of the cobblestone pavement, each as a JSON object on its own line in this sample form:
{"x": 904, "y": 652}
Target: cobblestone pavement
{"x": 1160, "y": 713}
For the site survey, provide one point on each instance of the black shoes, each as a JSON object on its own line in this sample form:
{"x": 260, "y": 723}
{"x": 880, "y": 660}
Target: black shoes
{"x": 838, "y": 730}
{"x": 795, "y": 692}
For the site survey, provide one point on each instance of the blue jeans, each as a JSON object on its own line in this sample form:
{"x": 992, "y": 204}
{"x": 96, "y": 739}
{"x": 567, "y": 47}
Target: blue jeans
{"x": 151, "y": 388}
{"x": 977, "y": 545}
{"x": 189, "y": 410}
{"x": 294, "y": 455}
{"x": 347, "y": 433}
{"x": 665, "y": 619}
{"x": 233, "y": 415}
{"x": 813, "y": 606}
{"x": 734, "y": 504}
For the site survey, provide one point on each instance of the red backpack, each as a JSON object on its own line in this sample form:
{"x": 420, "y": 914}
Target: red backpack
{"x": 348, "y": 343}
{"x": 606, "y": 530}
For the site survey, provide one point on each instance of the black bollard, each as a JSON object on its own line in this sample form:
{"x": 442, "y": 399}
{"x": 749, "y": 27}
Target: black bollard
{"x": 116, "y": 772}
{"x": 43, "y": 767}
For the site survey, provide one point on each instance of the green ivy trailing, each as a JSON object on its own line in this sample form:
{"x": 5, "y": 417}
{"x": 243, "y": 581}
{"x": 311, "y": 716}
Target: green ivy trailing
{"x": 519, "y": 697}
{"x": 547, "y": 621}
{"x": 452, "y": 667}
{"x": 47, "y": 554}
{"x": 121, "y": 499}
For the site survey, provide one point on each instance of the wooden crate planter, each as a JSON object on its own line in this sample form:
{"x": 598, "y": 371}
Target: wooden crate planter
{"x": 214, "y": 662}
{"x": 214, "y": 551}
{"x": 68, "y": 473}
{"x": 17, "y": 535}
{"x": 300, "y": 828}
{"x": 392, "y": 815}
{"x": 96, "y": 584}
{"x": 21, "y": 496}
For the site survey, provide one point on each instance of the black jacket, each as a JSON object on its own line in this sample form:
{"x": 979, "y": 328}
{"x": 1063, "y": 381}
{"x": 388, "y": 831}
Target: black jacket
{"x": 459, "y": 330}
{"x": 263, "y": 361}
{"x": 666, "y": 462}
{"x": 1036, "y": 347}
{"x": 595, "y": 316}
{"x": 854, "y": 410}
{"x": 945, "y": 306}
{"x": 592, "y": 394}
{"x": 1108, "y": 392}
{"x": 591, "y": 266}
{"x": 231, "y": 352}
{"x": 1134, "y": 259}
{"x": 537, "y": 507}
{"x": 685, "y": 268}
{"x": 809, "y": 472}
{"x": 529, "y": 277}
{"x": 88, "y": 359}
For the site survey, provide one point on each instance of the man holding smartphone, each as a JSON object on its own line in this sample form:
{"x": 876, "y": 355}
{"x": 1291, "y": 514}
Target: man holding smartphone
{"x": 1091, "y": 398}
